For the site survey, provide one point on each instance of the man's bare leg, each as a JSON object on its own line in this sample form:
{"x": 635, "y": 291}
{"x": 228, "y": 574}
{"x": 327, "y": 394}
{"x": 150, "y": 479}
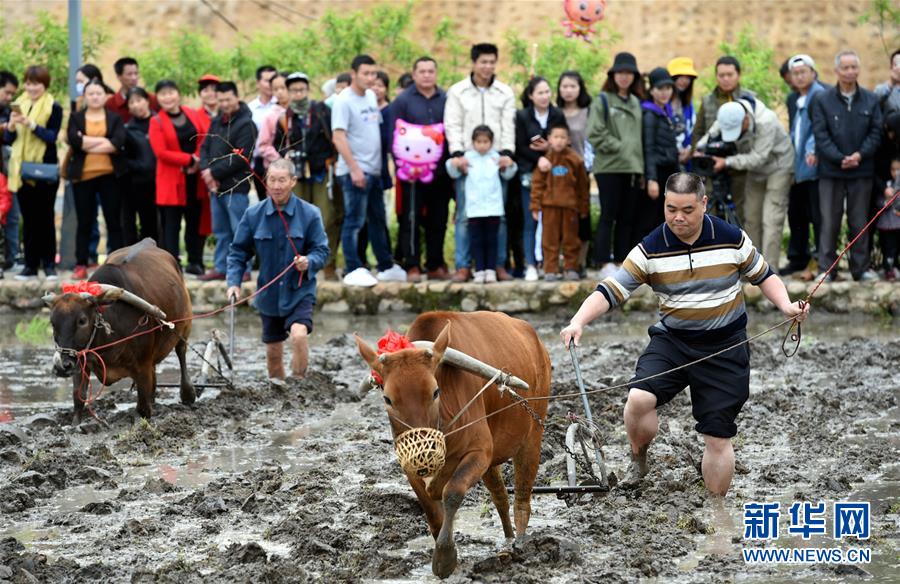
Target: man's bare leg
{"x": 300, "y": 345}
{"x": 718, "y": 464}
{"x": 275, "y": 360}
{"x": 641, "y": 424}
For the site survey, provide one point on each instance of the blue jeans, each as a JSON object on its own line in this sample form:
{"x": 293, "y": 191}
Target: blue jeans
{"x": 362, "y": 206}
{"x": 529, "y": 227}
{"x": 227, "y": 211}
{"x": 462, "y": 256}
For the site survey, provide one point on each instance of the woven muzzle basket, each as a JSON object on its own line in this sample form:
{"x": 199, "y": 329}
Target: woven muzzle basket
{"x": 421, "y": 451}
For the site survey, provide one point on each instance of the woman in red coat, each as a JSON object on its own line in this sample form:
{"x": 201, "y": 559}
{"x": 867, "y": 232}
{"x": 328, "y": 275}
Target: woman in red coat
{"x": 176, "y": 135}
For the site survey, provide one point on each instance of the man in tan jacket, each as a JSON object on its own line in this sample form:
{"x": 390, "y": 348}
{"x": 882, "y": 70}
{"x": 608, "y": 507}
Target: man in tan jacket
{"x": 561, "y": 194}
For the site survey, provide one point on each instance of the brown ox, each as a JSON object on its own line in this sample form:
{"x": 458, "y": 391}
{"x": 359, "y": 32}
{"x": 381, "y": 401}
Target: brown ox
{"x": 421, "y": 392}
{"x": 150, "y": 274}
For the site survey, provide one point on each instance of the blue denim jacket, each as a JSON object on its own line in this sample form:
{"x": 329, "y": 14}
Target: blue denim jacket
{"x": 262, "y": 229}
{"x": 802, "y": 172}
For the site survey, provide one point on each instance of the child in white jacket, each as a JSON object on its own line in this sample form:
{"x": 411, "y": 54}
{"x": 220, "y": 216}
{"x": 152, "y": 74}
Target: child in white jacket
{"x": 484, "y": 201}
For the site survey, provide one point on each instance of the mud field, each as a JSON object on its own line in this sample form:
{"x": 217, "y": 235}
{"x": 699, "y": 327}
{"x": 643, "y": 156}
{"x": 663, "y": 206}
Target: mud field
{"x": 301, "y": 484}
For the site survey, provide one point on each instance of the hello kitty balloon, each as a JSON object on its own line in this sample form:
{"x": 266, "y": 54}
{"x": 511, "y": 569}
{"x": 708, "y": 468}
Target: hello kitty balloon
{"x": 417, "y": 150}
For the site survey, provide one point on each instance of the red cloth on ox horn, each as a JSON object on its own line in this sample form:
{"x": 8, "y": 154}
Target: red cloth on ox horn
{"x": 83, "y": 287}
{"x": 391, "y": 342}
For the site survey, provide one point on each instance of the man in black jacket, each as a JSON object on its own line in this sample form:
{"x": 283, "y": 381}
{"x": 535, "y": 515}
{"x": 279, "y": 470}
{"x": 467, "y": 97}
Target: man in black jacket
{"x": 303, "y": 137}
{"x": 847, "y": 127}
{"x": 226, "y": 173}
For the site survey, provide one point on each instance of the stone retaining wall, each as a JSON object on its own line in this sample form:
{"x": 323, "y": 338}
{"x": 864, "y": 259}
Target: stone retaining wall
{"x": 879, "y": 298}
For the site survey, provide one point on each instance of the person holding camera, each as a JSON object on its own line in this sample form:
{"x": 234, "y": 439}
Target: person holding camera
{"x": 303, "y": 138}
{"x": 765, "y": 152}
{"x": 226, "y": 172}
{"x": 728, "y": 89}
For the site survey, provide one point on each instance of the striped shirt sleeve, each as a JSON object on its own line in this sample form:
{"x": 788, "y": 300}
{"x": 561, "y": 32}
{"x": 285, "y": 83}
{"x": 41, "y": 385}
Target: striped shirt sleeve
{"x": 751, "y": 263}
{"x": 634, "y": 272}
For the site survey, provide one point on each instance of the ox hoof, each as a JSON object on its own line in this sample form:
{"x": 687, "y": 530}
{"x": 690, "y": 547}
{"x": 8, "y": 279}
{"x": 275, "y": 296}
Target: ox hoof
{"x": 444, "y": 561}
{"x": 188, "y": 394}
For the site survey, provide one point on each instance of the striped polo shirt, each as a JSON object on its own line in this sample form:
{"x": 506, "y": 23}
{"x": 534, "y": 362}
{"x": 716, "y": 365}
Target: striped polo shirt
{"x": 698, "y": 285}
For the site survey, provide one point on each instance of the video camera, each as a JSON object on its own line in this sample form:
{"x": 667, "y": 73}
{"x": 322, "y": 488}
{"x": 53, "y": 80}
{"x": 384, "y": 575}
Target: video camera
{"x": 721, "y": 202}
{"x": 703, "y": 165}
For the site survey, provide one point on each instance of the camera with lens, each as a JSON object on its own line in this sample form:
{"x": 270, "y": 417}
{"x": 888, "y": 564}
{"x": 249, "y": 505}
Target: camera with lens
{"x": 703, "y": 165}
{"x": 297, "y": 158}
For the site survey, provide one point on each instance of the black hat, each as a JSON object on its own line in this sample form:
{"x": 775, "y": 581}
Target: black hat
{"x": 624, "y": 62}
{"x": 660, "y": 77}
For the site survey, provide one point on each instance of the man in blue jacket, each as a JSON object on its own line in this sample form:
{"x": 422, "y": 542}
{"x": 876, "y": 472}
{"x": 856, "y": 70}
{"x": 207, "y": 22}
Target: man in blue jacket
{"x": 803, "y": 205}
{"x": 847, "y": 127}
{"x": 285, "y": 307}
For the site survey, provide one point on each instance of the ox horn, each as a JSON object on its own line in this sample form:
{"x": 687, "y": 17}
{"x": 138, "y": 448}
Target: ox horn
{"x": 471, "y": 364}
{"x": 49, "y": 298}
{"x": 113, "y": 293}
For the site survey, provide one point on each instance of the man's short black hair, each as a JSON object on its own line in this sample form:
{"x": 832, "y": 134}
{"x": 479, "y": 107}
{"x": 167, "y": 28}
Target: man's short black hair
{"x": 226, "y": 86}
{"x": 894, "y": 54}
{"x": 785, "y": 67}
{"x": 8, "y": 78}
{"x": 405, "y": 80}
{"x": 264, "y": 69}
{"x": 729, "y": 60}
{"x": 424, "y": 59}
{"x": 343, "y": 78}
{"x": 484, "y": 49}
{"x": 119, "y": 66}
{"x": 686, "y": 183}
{"x": 360, "y": 60}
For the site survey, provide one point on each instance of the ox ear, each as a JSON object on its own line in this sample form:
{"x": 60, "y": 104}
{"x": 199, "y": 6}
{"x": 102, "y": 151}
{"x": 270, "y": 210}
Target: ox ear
{"x": 368, "y": 354}
{"x": 440, "y": 345}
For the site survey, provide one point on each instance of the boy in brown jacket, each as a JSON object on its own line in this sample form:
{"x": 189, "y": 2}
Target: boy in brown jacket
{"x": 561, "y": 194}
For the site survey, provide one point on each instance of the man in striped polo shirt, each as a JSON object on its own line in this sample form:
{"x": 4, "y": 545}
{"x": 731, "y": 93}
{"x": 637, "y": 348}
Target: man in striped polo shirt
{"x": 694, "y": 263}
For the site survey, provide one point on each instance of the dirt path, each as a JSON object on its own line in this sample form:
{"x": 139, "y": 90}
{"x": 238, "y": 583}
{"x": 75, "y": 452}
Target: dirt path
{"x": 265, "y": 485}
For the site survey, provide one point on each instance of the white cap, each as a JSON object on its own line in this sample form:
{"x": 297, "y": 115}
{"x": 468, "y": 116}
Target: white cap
{"x": 731, "y": 118}
{"x": 801, "y": 60}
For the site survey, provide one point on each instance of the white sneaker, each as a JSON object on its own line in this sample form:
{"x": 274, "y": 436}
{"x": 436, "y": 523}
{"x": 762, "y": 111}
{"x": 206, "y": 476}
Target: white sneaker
{"x": 490, "y": 276}
{"x": 479, "y": 277}
{"x": 869, "y": 276}
{"x": 393, "y": 274}
{"x": 531, "y": 274}
{"x": 360, "y": 277}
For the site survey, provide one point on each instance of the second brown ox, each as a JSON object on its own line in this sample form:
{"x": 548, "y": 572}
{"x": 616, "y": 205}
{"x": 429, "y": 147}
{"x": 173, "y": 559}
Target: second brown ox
{"x": 421, "y": 392}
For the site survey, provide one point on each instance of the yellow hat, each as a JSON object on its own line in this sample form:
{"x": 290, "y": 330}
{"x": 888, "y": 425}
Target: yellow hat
{"x": 681, "y": 66}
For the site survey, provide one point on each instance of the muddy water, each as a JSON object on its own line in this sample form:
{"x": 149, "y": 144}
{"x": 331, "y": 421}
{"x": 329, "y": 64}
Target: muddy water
{"x": 262, "y": 484}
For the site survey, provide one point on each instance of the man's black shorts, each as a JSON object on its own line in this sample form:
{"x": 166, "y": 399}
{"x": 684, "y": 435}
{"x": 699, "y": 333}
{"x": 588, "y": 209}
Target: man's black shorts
{"x": 719, "y": 386}
{"x": 276, "y": 329}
